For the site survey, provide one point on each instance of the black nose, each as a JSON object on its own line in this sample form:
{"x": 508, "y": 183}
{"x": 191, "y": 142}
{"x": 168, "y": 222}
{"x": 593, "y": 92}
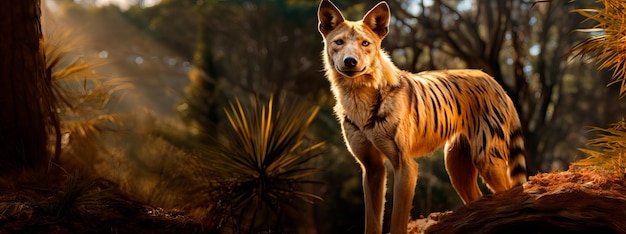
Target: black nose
{"x": 350, "y": 62}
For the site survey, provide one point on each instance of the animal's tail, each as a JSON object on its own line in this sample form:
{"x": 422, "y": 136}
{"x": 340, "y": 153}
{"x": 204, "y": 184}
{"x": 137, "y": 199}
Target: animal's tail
{"x": 517, "y": 162}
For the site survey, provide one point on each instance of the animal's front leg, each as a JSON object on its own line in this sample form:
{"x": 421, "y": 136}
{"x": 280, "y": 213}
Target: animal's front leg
{"x": 374, "y": 176}
{"x": 405, "y": 179}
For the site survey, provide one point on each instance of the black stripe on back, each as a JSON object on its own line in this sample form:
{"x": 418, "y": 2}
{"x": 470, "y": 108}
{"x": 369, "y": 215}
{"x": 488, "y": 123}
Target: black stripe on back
{"x": 497, "y": 130}
{"x": 413, "y": 98}
{"x": 495, "y": 111}
{"x": 484, "y": 142}
{"x": 435, "y": 110}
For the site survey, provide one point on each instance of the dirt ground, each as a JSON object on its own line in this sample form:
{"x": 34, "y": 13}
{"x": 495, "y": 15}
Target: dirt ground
{"x": 573, "y": 201}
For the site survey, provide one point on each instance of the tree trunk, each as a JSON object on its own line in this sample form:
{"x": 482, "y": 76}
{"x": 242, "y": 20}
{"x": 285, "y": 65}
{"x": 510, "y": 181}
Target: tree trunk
{"x": 24, "y": 88}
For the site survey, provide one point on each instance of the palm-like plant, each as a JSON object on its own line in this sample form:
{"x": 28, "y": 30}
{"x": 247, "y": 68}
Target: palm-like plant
{"x": 83, "y": 99}
{"x": 608, "y": 41}
{"x": 259, "y": 162}
{"x": 608, "y": 46}
{"x": 612, "y": 156}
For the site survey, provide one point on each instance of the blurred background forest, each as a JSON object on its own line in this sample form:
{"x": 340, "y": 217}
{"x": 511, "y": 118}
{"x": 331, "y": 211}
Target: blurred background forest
{"x": 162, "y": 90}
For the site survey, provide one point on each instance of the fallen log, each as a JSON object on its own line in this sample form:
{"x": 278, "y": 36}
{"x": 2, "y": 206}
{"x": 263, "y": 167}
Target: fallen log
{"x": 575, "y": 201}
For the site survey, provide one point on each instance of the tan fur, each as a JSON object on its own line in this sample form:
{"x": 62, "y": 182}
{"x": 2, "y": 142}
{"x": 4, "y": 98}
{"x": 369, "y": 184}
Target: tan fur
{"x": 389, "y": 114}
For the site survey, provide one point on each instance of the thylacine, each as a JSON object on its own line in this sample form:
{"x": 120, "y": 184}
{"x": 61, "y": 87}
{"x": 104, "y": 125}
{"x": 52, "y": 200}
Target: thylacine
{"x": 390, "y": 114}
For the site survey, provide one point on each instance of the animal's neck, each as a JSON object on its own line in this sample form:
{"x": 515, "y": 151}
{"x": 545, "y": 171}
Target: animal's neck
{"x": 387, "y": 72}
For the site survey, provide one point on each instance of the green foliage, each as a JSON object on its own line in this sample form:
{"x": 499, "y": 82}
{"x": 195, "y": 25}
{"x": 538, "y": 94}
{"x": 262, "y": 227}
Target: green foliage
{"x": 607, "y": 44}
{"x": 256, "y": 167}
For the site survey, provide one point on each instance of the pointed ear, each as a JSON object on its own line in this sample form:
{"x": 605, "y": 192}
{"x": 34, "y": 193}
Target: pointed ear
{"x": 377, "y": 19}
{"x": 329, "y": 17}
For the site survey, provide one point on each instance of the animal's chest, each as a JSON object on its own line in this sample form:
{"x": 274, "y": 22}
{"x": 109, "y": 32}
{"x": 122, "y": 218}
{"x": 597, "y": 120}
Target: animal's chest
{"x": 359, "y": 112}
{"x": 365, "y": 123}
{"x": 374, "y": 117}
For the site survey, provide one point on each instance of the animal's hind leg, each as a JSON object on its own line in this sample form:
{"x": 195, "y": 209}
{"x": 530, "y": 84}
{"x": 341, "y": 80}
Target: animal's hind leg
{"x": 495, "y": 172}
{"x": 461, "y": 169}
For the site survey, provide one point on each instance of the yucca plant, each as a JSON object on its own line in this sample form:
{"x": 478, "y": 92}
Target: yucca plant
{"x": 607, "y": 45}
{"x": 259, "y": 163}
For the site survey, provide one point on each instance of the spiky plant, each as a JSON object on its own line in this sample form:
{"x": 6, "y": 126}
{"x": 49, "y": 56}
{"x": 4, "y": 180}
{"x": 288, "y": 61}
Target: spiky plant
{"x": 612, "y": 153}
{"x": 77, "y": 196}
{"x": 260, "y": 162}
{"x": 607, "y": 44}
{"x": 83, "y": 99}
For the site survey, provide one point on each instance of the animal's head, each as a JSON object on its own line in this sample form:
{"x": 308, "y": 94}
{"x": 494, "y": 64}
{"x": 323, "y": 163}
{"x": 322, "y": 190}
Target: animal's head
{"x": 352, "y": 46}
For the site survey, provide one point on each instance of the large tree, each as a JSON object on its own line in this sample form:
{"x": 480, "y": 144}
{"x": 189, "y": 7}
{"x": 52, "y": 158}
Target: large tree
{"x": 25, "y": 94}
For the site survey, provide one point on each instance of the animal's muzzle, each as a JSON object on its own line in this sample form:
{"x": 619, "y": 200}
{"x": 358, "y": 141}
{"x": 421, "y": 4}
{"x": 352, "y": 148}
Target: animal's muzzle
{"x": 350, "y": 62}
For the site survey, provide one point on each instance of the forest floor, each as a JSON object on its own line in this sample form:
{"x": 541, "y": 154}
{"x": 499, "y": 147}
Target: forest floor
{"x": 573, "y": 201}
{"x": 95, "y": 207}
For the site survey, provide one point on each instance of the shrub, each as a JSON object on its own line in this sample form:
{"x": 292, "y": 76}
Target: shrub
{"x": 256, "y": 167}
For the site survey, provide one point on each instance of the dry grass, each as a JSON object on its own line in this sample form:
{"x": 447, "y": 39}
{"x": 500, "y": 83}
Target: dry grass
{"x": 86, "y": 205}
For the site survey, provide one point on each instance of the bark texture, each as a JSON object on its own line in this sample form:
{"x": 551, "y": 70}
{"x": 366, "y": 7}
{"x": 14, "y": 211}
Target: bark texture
{"x": 574, "y": 201}
{"x": 24, "y": 86}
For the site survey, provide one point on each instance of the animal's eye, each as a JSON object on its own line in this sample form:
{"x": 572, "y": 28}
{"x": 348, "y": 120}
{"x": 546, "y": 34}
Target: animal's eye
{"x": 339, "y": 42}
{"x": 365, "y": 43}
